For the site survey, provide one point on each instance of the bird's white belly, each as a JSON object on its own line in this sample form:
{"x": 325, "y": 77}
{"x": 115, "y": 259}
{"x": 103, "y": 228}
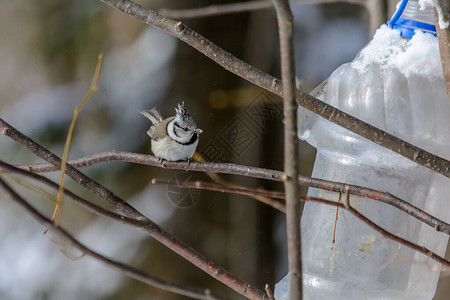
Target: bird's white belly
{"x": 172, "y": 151}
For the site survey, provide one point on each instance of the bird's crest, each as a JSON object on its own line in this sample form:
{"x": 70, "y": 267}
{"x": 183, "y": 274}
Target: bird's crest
{"x": 183, "y": 115}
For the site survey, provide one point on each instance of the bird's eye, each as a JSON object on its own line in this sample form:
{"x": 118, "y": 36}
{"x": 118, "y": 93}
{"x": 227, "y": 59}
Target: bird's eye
{"x": 185, "y": 129}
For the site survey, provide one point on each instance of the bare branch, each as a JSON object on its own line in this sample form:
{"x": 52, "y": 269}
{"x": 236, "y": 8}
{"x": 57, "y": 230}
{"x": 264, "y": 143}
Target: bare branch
{"x": 144, "y": 224}
{"x": 164, "y": 237}
{"x": 269, "y": 292}
{"x": 229, "y": 189}
{"x": 214, "y": 10}
{"x": 273, "y": 85}
{"x": 73, "y": 173}
{"x": 336, "y": 219}
{"x": 5, "y": 167}
{"x": 280, "y": 195}
{"x": 239, "y": 7}
{"x": 219, "y": 180}
{"x": 189, "y": 253}
{"x": 392, "y": 236}
{"x": 255, "y": 172}
{"x": 286, "y": 32}
{"x": 140, "y": 275}
{"x": 76, "y": 112}
{"x": 444, "y": 40}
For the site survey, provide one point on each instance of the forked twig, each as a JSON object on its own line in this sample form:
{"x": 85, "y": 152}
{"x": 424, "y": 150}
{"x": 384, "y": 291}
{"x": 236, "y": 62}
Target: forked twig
{"x": 255, "y": 172}
{"x": 150, "y": 227}
{"x": 280, "y": 195}
{"x": 140, "y": 275}
{"x": 229, "y": 189}
{"x": 219, "y": 180}
{"x": 5, "y": 167}
{"x": 239, "y": 7}
{"x": 392, "y": 236}
{"x": 273, "y": 85}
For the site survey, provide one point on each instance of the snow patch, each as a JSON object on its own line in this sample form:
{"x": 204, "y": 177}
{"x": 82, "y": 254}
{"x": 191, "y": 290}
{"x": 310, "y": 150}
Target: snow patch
{"x": 418, "y": 56}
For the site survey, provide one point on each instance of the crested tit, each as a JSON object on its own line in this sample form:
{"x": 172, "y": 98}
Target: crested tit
{"x": 174, "y": 138}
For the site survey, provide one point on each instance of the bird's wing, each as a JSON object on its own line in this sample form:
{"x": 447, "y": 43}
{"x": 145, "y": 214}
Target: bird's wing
{"x": 159, "y": 131}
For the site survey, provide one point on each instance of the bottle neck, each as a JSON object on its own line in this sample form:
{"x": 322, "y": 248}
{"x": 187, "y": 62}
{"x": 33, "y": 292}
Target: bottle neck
{"x": 409, "y": 17}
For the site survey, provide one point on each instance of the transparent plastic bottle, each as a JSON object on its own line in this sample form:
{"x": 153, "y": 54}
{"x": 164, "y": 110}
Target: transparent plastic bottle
{"x": 395, "y": 84}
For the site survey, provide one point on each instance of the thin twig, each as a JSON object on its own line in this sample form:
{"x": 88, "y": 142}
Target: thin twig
{"x": 391, "y": 236}
{"x": 255, "y": 172}
{"x": 281, "y": 195}
{"x": 76, "y": 112}
{"x": 269, "y": 292}
{"x": 143, "y": 224}
{"x": 229, "y": 189}
{"x": 140, "y": 275}
{"x": 214, "y": 10}
{"x": 336, "y": 219}
{"x": 286, "y": 32}
{"x": 273, "y": 85}
{"x": 219, "y": 180}
{"x": 77, "y": 199}
{"x": 164, "y": 237}
{"x": 198, "y": 185}
{"x": 5, "y": 167}
{"x": 239, "y": 7}
{"x": 242, "y": 191}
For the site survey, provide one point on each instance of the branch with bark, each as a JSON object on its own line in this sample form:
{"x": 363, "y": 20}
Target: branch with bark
{"x": 151, "y": 228}
{"x": 443, "y": 35}
{"x": 255, "y": 172}
{"x": 148, "y": 226}
{"x": 7, "y": 168}
{"x": 239, "y": 7}
{"x": 286, "y": 32}
{"x": 129, "y": 215}
{"x": 140, "y": 275}
{"x": 273, "y": 85}
{"x": 229, "y": 189}
{"x": 279, "y": 195}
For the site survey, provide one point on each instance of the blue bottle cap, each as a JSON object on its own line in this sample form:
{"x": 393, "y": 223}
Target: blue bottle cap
{"x": 407, "y": 26}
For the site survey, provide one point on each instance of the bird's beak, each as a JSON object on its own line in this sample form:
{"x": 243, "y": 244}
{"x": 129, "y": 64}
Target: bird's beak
{"x": 198, "y": 130}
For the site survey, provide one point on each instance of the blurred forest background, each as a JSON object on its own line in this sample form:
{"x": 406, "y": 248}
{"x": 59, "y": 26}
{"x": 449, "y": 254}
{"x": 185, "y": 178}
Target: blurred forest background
{"x": 48, "y": 54}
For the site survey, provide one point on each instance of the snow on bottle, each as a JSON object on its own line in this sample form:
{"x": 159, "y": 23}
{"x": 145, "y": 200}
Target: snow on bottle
{"x": 395, "y": 83}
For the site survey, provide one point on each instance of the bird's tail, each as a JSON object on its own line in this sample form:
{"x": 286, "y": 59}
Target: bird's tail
{"x": 153, "y": 114}
{"x": 155, "y": 117}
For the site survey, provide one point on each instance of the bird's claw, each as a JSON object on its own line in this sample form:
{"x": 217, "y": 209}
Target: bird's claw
{"x": 162, "y": 161}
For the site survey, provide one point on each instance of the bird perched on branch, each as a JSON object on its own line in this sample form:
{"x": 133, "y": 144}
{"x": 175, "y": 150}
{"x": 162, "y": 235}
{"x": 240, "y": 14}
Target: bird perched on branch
{"x": 174, "y": 138}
